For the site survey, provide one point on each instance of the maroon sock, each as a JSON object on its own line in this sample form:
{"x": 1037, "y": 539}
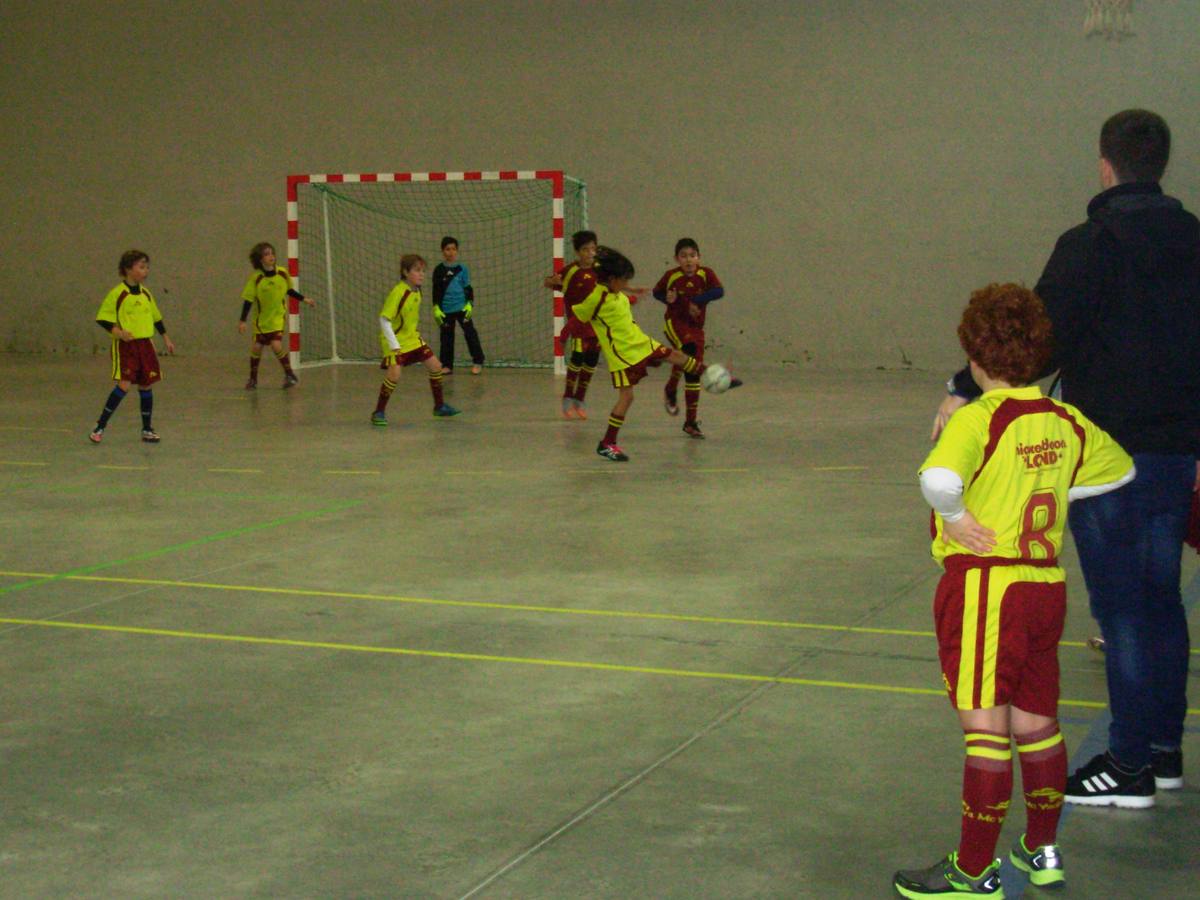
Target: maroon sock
{"x": 1043, "y": 757}
{"x": 435, "y": 385}
{"x": 254, "y": 361}
{"x": 987, "y": 791}
{"x": 585, "y": 376}
{"x": 614, "y": 425}
{"x": 385, "y": 393}
{"x": 691, "y": 396}
{"x": 282, "y": 356}
{"x": 673, "y": 382}
{"x": 572, "y": 381}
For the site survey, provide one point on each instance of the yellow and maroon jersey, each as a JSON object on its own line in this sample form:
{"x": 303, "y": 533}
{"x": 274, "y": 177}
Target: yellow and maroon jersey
{"x": 623, "y": 343}
{"x": 1018, "y": 454}
{"x": 577, "y": 284}
{"x": 688, "y": 287}
{"x": 401, "y": 308}
{"x": 133, "y": 309}
{"x": 268, "y": 292}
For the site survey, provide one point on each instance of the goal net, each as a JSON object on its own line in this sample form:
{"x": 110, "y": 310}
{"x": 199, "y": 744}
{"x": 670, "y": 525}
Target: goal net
{"x": 346, "y": 234}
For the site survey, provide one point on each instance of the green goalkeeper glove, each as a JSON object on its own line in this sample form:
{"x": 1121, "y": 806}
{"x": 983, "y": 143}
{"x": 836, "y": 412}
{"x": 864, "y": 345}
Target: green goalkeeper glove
{"x": 467, "y": 310}
{"x": 439, "y": 316}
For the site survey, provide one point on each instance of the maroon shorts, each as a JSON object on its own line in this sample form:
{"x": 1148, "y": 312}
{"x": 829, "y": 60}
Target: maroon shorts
{"x": 636, "y": 372}
{"x": 998, "y": 628}
{"x": 135, "y": 361}
{"x": 411, "y": 358}
{"x": 679, "y": 337}
{"x": 576, "y": 328}
{"x": 583, "y": 345}
{"x": 268, "y": 337}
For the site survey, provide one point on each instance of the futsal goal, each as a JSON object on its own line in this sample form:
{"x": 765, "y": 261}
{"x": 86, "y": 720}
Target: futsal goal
{"x": 347, "y": 232}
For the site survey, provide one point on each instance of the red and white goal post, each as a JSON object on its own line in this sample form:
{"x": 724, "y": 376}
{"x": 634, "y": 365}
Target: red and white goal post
{"x": 350, "y": 230}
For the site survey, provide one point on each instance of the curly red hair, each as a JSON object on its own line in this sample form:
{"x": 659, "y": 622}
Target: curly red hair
{"x": 1007, "y": 333}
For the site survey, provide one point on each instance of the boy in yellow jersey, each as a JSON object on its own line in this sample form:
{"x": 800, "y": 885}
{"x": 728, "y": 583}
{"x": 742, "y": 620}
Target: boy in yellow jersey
{"x": 267, "y": 289}
{"x": 402, "y": 345}
{"x": 131, "y": 316}
{"x": 627, "y": 349}
{"x": 999, "y": 481}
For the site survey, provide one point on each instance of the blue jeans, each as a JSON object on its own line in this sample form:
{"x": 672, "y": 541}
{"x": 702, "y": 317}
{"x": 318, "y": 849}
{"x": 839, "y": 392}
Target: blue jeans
{"x": 1130, "y": 542}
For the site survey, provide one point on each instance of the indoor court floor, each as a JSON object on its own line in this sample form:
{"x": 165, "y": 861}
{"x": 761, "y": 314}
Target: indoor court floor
{"x": 286, "y": 654}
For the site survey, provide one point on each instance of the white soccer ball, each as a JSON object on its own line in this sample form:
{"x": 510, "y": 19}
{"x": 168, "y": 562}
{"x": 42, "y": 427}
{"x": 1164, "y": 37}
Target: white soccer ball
{"x": 716, "y": 379}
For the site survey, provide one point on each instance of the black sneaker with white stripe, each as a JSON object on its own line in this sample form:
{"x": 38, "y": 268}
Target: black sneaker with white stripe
{"x": 1104, "y": 782}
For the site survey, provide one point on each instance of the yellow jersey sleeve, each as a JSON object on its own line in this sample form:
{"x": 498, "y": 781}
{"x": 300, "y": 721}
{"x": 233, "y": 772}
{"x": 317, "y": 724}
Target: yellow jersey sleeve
{"x": 1104, "y": 460}
{"x": 391, "y": 305}
{"x": 961, "y": 443}
{"x": 108, "y": 306}
{"x": 249, "y": 292}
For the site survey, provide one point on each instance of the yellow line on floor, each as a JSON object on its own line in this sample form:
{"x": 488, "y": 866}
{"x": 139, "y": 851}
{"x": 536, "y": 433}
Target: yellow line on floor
{"x": 512, "y": 660}
{"x": 839, "y": 468}
{"x": 476, "y": 472}
{"x": 480, "y": 604}
{"x": 33, "y": 428}
{"x": 16, "y": 462}
{"x": 125, "y": 468}
{"x": 350, "y": 472}
{"x": 239, "y": 471}
{"x": 720, "y": 470}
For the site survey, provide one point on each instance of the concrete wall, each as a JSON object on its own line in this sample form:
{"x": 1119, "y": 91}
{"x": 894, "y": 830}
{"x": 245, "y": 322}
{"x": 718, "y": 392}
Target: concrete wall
{"x": 852, "y": 168}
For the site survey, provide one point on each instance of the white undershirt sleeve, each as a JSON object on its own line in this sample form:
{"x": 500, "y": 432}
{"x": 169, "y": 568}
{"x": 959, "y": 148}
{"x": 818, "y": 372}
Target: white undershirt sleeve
{"x": 943, "y": 490}
{"x": 1095, "y": 490}
{"x": 386, "y": 324}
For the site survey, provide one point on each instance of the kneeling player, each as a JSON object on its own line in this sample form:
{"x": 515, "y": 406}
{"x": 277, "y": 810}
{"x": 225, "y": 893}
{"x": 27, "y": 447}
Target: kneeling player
{"x": 999, "y": 481}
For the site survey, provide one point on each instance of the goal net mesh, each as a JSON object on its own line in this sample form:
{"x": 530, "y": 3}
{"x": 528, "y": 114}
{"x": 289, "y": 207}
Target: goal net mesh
{"x": 351, "y": 236}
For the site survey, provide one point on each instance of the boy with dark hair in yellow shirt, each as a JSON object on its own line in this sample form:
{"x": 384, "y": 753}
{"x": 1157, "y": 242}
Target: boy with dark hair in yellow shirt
{"x": 627, "y": 349}
{"x": 131, "y": 316}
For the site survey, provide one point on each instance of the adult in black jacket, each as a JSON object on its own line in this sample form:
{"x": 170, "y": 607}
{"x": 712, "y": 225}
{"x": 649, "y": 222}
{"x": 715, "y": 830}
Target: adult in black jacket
{"x": 1123, "y": 293}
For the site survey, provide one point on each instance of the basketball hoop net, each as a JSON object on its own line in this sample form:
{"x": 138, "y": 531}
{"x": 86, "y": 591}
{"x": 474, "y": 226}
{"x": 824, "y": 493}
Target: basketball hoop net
{"x": 1111, "y": 19}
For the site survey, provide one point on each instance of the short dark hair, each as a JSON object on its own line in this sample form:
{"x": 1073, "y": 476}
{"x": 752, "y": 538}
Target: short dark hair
{"x": 579, "y": 238}
{"x": 257, "y": 251}
{"x": 448, "y": 240}
{"x": 129, "y": 259}
{"x": 612, "y": 264}
{"x": 408, "y": 261}
{"x": 683, "y": 243}
{"x": 1007, "y": 333}
{"x": 1137, "y": 143}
